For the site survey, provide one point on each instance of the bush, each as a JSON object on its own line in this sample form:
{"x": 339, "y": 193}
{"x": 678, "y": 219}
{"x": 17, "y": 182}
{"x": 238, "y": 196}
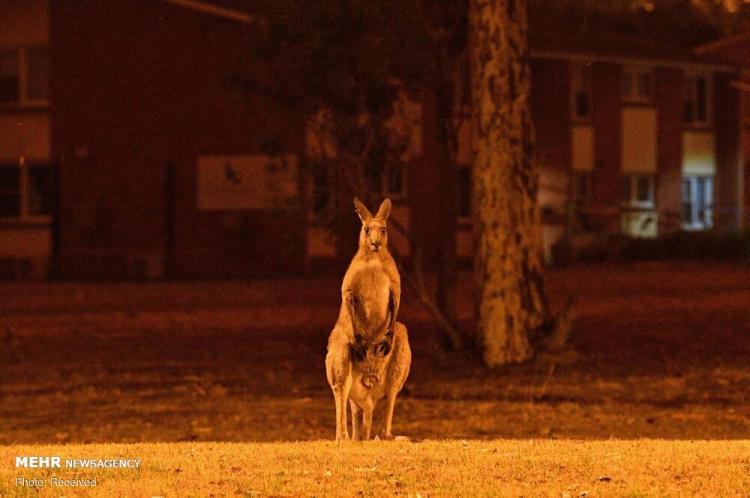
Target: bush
{"x": 697, "y": 246}
{"x": 701, "y": 246}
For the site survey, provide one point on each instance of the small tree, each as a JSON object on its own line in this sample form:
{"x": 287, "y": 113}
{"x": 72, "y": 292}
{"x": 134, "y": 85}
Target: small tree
{"x": 348, "y": 61}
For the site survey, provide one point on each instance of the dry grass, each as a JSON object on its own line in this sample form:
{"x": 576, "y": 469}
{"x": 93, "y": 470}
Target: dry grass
{"x": 432, "y": 468}
{"x": 658, "y": 357}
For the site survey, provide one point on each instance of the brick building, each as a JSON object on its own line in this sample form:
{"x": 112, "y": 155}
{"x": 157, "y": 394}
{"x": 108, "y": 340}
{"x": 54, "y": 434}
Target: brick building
{"x": 124, "y": 153}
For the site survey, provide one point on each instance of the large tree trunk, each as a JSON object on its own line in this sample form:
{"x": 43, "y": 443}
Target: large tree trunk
{"x": 511, "y": 303}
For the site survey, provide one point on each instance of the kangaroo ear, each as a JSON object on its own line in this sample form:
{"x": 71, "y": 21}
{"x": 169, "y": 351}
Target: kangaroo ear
{"x": 364, "y": 214}
{"x": 385, "y": 210}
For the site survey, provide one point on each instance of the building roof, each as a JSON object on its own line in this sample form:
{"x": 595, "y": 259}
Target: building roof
{"x": 637, "y": 36}
{"x": 733, "y": 49}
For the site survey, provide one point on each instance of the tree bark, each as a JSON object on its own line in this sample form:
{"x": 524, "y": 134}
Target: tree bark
{"x": 511, "y": 302}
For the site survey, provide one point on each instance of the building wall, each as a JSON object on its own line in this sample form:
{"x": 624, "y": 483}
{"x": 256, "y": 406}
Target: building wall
{"x": 139, "y": 90}
{"x": 607, "y": 140}
{"x": 668, "y": 94}
{"x": 553, "y": 154}
{"x": 25, "y": 241}
{"x": 23, "y": 22}
{"x": 140, "y": 93}
{"x": 729, "y": 157}
{"x": 424, "y": 188}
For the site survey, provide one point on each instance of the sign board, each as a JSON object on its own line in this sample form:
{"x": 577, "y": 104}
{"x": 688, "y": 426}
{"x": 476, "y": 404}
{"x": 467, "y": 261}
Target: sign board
{"x": 234, "y": 183}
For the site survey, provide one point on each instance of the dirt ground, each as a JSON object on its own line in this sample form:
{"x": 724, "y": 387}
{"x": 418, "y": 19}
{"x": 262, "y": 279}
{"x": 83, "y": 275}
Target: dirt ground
{"x": 660, "y": 351}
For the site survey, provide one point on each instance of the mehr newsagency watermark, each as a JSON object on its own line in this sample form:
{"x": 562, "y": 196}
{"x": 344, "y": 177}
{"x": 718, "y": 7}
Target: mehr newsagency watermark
{"x": 56, "y": 462}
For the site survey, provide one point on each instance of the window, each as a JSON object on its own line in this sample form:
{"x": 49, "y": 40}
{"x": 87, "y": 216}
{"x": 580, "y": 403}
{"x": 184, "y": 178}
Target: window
{"x": 24, "y": 77}
{"x": 464, "y": 193}
{"x": 26, "y": 190}
{"x": 581, "y": 92}
{"x": 697, "y": 202}
{"x": 386, "y": 178}
{"x": 696, "y": 106}
{"x": 37, "y": 74}
{"x": 637, "y": 85}
{"x": 320, "y": 188}
{"x": 10, "y": 197}
{"x": 581, "y": 189}
{"x": 390, "y": 181}
{"x": 9, "y": 79}
{"x": 638, "y": 191}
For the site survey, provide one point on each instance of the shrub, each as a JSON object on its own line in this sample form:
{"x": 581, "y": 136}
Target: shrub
{"x": 731, "y": 246}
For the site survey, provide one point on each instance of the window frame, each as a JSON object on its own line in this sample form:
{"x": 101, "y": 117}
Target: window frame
{"x": 691, "y": 94}
{"x": 400, "y": 168}
{"x": 632, "y": 201}
{"x": 581, "y": 82}
{"x": 634, "y": 74}
{"x": 384, "y": 180}
{"x": 699, "y": 221}
{"x": 24, "y": 192}
{"x": 22, "y": 60}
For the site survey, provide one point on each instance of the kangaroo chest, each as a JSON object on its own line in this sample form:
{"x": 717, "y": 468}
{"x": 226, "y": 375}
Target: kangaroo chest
{"x": 371, "y": 288}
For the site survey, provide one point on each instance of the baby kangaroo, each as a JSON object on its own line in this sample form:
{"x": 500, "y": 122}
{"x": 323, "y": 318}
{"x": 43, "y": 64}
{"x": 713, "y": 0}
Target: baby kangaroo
{"x": 368, "y": 350}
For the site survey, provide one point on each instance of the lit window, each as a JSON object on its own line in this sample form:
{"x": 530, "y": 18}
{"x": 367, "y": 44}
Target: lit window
{"x": 697, "y": 100}
{"x": 637, "y": 85}
{"x": 697, "y": 202}
{"x": 638, "y": 191}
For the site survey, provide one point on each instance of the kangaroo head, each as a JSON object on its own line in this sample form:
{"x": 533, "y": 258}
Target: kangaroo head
{"x": 373, "y": 234}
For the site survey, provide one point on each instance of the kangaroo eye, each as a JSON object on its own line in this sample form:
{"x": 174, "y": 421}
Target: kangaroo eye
{"x": 382, "y": 230}
{"x": 384, "y": 348}
{"x": 367, "y": 230}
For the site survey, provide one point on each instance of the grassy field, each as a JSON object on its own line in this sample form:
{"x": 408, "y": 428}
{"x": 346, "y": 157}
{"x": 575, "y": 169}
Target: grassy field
{"x": 657, "y": 352}
{"x": 529, "y": 468}
{"x": 213, "y": 383}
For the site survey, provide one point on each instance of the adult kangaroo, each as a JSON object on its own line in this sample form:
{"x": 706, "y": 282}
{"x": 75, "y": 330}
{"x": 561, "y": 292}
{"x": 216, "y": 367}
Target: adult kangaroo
{"x": 368, "y": 350}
